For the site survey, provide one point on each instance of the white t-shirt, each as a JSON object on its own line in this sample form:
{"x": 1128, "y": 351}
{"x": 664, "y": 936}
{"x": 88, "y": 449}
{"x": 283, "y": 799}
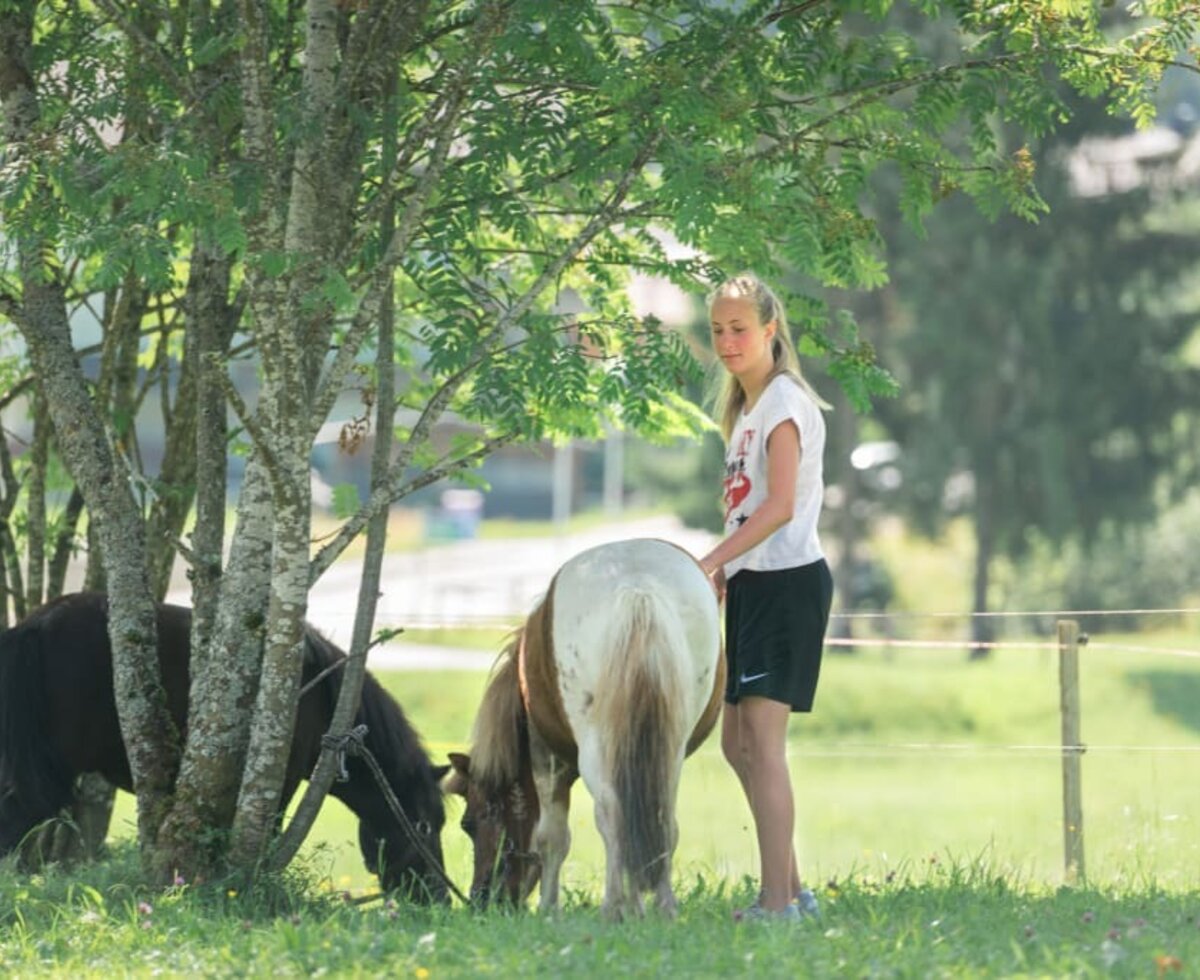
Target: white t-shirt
{"x": 796, "y": 543}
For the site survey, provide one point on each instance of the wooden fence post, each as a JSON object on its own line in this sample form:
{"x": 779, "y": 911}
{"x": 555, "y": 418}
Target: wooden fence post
{"x": 1072, "y": 749}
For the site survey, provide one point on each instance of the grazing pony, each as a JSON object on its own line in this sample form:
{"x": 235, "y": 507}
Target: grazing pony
{"x": 58, "y": 719}
{"x": 615, "y": 676}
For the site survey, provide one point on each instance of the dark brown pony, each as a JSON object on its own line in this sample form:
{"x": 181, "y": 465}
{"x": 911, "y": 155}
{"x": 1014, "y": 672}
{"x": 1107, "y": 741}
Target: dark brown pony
{"x": 615, "y": 676}
{"x": 58, "y": 719}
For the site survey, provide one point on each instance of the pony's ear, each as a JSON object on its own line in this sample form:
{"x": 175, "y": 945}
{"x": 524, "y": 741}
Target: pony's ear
{"x": 439, "y": 772}
{"x": 457, "y": 782}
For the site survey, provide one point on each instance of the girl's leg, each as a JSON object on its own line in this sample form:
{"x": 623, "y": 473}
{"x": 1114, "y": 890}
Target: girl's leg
{"x": 763, "y": 729}
{"x": 737, "y": 753}
{"x": 732, "y": 748}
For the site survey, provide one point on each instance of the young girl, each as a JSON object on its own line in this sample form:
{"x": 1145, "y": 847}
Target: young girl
{"x": 769, "y": 567}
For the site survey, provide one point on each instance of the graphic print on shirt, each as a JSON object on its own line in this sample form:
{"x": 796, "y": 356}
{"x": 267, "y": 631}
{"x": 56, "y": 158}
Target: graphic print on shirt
{"x": 737, "y": 482}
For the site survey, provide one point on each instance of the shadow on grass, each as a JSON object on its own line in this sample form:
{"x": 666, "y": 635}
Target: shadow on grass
{"x": 1174, "y": 693}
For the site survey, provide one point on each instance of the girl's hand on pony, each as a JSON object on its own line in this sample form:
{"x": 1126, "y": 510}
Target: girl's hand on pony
{"x": 716, "y": 575}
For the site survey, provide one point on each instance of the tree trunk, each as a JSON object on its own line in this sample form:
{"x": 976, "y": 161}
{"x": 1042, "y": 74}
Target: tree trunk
{"x": 279, "y": 686}
{"x": 207, "y": 314}
{"x": 227, "y": 634}
{"x": 35, "y": 506}
{"x": 227, "y": 609}
{"x": 981, "y": 626}
{"x": 11, "y": 577}
{"x": 64, "y": 546}
{"x": 292, "y": 345}
{"x": 146, "y": 725}
{"x": 176, "y": 482}
{"x": 221, "y": 694}
{"x": 353, "y": 672}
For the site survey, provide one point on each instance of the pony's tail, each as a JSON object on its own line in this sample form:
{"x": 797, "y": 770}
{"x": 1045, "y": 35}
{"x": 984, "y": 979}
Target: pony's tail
{"x": 642, "y": 706}
{"x": 34, "y": 781}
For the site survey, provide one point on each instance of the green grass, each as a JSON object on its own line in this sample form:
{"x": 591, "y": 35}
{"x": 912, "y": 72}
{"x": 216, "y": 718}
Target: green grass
{"x": 459, "y": 637}
{"x": 951, "y": 920}
{"x": 929, "y": 818}
{"x": 905, "y": 758}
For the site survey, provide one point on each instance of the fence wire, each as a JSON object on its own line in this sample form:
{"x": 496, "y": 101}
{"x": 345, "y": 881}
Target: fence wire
{"x": 1011, "y": 614}
{"x": 950, "y": 750}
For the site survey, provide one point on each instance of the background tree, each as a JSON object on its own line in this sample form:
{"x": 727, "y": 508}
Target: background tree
{"x": 1068, "y": 411}
{"x": 275, "y": 174}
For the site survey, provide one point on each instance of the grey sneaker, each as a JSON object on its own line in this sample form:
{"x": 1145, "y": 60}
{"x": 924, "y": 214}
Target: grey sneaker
{"x": 756, "y": 913}
{"x": 807, "y": 905}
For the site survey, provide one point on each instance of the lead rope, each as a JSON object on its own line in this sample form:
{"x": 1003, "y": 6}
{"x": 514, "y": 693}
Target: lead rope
{"x": 353, "y": 742}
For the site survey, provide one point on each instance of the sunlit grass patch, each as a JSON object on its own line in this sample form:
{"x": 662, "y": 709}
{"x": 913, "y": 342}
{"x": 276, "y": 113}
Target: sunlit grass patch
{"x": 929, "y": 821}
{"x": 921, "y": 919}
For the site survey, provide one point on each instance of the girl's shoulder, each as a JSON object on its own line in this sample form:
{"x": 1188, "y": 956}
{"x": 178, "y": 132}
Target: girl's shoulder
{"x": 788, "y": 397}
{"x": 786, "y": 390}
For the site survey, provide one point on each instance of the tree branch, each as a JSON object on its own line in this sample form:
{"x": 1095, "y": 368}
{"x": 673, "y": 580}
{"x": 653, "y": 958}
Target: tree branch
{"x": 795, "y": 10}
{"x": 150, "y": 49}
{"x": 247, "y": 418}
{"x": 397, "y": 490}
{"x": 259, "y": 119}
{"x": 406, "y": 226}
{"x": 1135, "y": 58}
{"x": 603, "y": 218}
{"x": 11, "y": 307}
{"x": 371, "y": 30}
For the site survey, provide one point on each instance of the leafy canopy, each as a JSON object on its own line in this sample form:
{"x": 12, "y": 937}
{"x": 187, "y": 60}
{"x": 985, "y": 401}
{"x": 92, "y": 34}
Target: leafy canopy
{"x": 585, "y": 137}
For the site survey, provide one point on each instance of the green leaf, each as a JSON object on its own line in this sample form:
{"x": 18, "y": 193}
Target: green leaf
{"x": 346, "y": 501}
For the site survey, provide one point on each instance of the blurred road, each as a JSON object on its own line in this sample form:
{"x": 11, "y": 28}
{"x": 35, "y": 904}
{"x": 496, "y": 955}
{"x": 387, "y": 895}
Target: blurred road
{"x": 472, "y": 582}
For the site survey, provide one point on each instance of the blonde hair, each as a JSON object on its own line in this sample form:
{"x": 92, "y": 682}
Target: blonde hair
{"x": 731, "y": 397}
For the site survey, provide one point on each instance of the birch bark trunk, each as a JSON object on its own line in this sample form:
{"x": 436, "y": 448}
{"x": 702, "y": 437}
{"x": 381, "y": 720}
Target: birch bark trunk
{"x": 209, "y": 325}
{"x": 288, "y": 323}
{"x": 146, "y": 726}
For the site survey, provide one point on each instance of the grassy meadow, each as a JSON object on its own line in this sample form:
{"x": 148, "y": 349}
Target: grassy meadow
{"x": 929, "y": 822}
{"x": 915, "y": 758}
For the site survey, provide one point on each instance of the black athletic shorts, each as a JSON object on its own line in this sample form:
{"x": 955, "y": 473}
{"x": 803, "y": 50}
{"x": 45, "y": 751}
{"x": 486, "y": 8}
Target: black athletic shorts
{"x": 774, "y": 633}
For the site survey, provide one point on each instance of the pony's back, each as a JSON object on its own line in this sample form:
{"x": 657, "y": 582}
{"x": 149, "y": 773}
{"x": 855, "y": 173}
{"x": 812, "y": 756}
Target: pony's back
{"x": 604, "y": 600}
{"x": 58, "y": 714}
{"x": 637, "y": 643}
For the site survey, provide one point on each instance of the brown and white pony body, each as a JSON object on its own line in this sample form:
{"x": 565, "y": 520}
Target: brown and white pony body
{"x": 615, "y": 676}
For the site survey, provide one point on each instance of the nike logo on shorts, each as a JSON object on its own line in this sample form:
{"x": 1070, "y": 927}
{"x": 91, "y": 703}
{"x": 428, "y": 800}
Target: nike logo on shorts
{"x": 748, "y": 678}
